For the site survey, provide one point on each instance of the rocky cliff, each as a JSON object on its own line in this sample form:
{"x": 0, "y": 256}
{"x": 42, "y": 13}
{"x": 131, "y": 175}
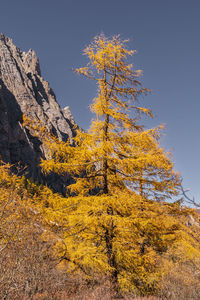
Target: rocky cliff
{"x": 23, "y": 90}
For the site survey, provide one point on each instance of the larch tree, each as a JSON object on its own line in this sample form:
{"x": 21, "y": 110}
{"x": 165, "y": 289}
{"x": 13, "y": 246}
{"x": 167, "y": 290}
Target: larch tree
{"x": 116, "y": 152}
{"x": 118, "y": 162}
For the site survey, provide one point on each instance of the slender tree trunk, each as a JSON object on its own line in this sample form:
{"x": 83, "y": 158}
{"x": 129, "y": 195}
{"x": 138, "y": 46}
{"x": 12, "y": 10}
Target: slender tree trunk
{"x": 109, "y": 230}
{"x": 109, "y": 235}
{"x": 105, "y": 138}
{"x": 105, "y": 177}
{"x": 105, "y": 158}
{"x": 141, "y": 184}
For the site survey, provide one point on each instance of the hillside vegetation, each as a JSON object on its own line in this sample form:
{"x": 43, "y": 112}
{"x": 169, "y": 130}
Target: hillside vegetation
{"x": 117, "y": 232}
{"x": 54, "y": 247}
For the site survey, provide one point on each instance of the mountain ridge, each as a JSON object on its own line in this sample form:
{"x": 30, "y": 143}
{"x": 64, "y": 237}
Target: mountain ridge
{"x": 24, "y": 91}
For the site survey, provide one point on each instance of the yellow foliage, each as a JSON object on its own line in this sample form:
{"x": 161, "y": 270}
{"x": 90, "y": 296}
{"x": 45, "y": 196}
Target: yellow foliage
{"x": 116, "y": 152}
{"x": 113, "y": 226}
{"x": 139, "y": 240}
{"x": 123, "y": 235}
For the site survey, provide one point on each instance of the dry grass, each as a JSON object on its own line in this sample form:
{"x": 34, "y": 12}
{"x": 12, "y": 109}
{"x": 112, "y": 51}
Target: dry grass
{"x": 182, "y": 282}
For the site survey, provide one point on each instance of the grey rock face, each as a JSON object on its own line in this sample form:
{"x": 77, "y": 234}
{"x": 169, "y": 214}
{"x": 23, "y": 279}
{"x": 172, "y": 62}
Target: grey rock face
{"x": 23, "y": 90}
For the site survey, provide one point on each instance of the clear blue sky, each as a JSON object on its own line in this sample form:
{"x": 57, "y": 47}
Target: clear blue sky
{"x": 166, "y": 37}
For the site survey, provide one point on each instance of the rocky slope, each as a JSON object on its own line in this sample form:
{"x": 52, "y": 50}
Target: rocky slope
{"x": 23, "y": 90}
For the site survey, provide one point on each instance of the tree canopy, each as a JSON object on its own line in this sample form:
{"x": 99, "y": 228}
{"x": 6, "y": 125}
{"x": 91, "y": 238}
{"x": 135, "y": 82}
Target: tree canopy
{"x": 116, "y": 152}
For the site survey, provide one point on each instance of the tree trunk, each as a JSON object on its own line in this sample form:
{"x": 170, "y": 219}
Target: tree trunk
{"x": 109, "y": 235}
{"x": 105, "y": 158}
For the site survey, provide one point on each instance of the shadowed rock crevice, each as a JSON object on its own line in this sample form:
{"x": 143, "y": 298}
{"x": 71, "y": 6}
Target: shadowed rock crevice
{"x": 16, "y": 147}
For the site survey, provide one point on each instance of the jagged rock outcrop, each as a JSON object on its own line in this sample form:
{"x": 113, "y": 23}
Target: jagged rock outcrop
{"x": 23, "y": 90}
